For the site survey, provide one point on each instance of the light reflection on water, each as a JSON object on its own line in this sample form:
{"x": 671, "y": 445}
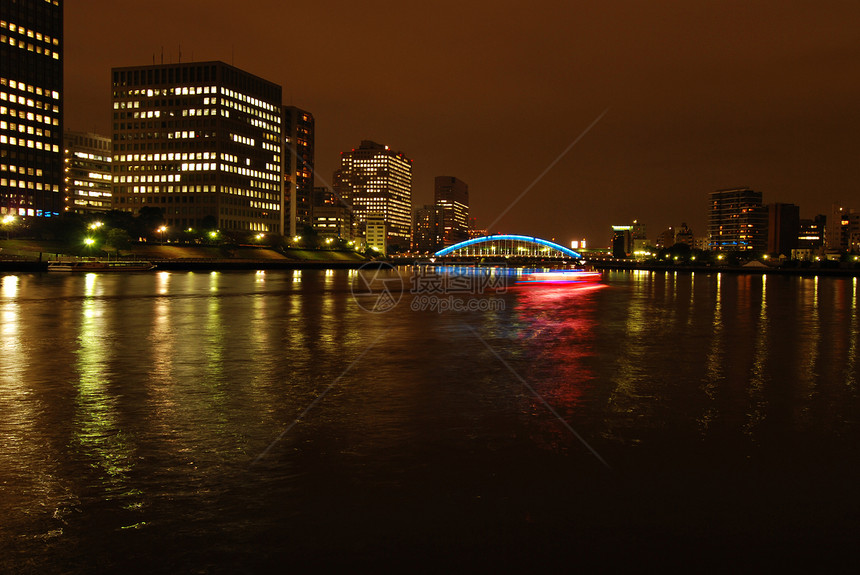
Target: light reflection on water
{"x": 98, "y": 432}
{"x": 141, "y": 400}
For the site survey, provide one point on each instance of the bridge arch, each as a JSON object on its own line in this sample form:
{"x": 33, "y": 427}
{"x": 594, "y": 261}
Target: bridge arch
{"x": 509, "y": 244}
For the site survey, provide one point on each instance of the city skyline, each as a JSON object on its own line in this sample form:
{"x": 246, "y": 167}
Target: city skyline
{"x": 696, "y": 98}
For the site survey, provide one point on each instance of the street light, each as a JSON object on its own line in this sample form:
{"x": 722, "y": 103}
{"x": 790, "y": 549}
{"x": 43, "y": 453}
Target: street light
{"x": 8, "y": 220}
{"x": 162, "y": 229}
{"x": 96, "y": 225}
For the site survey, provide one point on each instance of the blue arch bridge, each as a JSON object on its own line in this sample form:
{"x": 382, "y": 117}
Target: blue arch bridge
{"x": 506, "y": 247}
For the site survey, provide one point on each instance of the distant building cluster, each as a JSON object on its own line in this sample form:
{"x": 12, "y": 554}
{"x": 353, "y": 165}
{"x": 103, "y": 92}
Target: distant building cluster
{"x": 739, "y": 221}
{"x": 212, "y": 146}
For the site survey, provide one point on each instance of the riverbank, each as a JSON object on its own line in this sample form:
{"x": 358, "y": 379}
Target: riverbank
{"x": 33, "y": 256}
{"x": 848, "y": 269}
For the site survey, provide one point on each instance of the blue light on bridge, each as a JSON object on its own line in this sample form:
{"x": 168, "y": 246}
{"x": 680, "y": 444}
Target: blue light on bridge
{"x": 508, "y": 237}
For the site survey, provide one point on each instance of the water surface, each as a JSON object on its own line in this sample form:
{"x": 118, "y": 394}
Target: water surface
{"x": 224, "y": 422}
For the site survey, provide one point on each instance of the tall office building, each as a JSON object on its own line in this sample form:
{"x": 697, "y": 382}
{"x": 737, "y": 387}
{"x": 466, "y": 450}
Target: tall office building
{"x": 427, "y": 229}
{"x": 378, "y": 181}
{"x": 202, "y": 141}
{"x": 452, "y": 198}
{"x": 31, "y": 119}
{"x": 783, "y": 228}
{"x": 88, "y": 172}
{"x": 737, "y": 221}
{"x": 298, "y": 132}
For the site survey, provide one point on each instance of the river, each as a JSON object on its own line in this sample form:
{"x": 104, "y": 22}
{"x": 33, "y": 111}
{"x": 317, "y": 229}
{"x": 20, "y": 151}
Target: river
{"x": 425, "y": 420}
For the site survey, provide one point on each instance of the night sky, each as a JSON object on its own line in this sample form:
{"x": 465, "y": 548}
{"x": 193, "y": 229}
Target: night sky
{"x": 697, "y": 95}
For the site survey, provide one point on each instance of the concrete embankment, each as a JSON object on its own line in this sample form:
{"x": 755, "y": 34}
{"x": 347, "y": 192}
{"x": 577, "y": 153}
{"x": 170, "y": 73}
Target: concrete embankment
{"x": 33, "y": 256}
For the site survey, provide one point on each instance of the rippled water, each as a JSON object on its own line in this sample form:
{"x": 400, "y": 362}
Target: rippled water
{"x": 224, "y": 422}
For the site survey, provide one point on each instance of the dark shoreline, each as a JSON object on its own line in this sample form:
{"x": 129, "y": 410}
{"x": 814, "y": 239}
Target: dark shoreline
{"x": 754, "y": 270}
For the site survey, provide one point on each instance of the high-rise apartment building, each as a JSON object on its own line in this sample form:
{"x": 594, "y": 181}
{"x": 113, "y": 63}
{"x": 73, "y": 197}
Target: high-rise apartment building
{"x": 31, "y": 119}
{"x": 737, "y": 220}
{"x": 378, "y": 181}
{"x": 202, "y": 141}
{"x": 298, "y": 132}
{"x": 88, "y": 174}
{"x": 451, "y": 196}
